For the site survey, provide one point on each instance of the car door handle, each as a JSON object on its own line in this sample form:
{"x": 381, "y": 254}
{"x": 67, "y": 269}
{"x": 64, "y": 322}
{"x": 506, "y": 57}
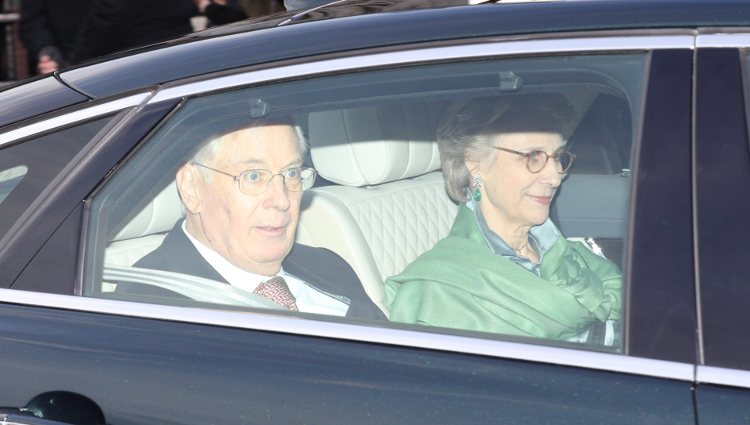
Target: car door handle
{"x": 20, "y": 418}
{"x": 54, "y": 408}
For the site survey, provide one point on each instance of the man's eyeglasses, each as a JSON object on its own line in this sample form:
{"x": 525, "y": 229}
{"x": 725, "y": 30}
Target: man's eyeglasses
{"x": 537, "y": 160}
{"x": 255, "y": 182}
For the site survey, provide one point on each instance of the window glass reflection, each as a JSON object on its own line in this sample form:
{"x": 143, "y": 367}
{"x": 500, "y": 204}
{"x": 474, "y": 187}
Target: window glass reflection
{"x": 9, "y": 179}
{"x": 414, "y": 216}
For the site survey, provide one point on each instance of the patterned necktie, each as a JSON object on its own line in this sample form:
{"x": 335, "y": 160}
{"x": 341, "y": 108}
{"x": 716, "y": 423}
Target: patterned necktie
{"x": 275, "y": 290}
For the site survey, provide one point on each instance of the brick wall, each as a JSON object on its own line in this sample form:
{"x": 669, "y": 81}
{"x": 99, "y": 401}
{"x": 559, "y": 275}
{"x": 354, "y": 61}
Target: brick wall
{"x": 14, "y": 62}
{"x": 21, "y": 60}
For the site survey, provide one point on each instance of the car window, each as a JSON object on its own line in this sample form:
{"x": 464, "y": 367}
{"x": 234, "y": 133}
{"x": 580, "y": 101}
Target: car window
{"x": 386, "y": 228}
{"x": 27, "y": 168}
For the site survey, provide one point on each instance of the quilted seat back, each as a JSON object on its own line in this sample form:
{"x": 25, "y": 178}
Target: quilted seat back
{"x": 389, "y": 203}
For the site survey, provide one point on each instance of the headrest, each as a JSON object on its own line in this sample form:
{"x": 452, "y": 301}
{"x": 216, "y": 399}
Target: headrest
{"x": 374, "y": 144}
{"x": 158, "y": 216}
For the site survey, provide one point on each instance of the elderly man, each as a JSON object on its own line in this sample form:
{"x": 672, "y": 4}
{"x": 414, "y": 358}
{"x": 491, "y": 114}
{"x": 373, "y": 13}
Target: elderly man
{"x": 241, "y": 193}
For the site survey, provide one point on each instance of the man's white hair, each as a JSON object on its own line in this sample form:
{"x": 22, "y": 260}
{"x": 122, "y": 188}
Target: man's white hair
{"x": 206, "y": 154}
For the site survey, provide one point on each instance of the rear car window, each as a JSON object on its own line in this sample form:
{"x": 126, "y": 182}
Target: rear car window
{"x": 381, "y": 201}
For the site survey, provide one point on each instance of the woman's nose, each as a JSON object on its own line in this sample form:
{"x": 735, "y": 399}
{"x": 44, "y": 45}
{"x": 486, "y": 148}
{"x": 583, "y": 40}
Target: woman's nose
{"x": 552, "y": 173}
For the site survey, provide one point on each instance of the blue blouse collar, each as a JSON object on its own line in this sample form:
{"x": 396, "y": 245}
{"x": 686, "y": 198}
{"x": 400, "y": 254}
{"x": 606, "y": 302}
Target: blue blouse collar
{"x": 541, "y": 237}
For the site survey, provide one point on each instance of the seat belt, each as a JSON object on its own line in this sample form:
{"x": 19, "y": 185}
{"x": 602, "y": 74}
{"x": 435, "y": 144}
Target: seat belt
{"x": 193, "y": 287}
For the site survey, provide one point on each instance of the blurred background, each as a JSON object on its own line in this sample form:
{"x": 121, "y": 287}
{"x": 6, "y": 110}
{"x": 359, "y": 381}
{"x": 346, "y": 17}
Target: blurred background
{"x": 14, "y": 64}
{"x": 40, "y": 36}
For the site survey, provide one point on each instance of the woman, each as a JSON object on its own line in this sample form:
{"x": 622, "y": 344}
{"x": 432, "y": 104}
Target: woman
{"x": 504, "y": 267}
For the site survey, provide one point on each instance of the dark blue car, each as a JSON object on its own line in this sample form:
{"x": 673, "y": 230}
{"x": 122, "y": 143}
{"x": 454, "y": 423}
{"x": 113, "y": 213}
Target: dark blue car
{"x": 659, "y": 186}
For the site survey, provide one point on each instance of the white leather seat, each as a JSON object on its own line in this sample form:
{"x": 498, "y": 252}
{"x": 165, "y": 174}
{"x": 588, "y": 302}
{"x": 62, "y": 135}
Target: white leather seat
{"x": 391, "y": 205}
{"x": 145, "y": 232}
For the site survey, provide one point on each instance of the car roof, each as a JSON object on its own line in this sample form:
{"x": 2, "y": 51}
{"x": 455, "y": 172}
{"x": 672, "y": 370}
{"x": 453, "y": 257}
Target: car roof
{"x": 376, "y": 23}
{"x": 348, "y": 25}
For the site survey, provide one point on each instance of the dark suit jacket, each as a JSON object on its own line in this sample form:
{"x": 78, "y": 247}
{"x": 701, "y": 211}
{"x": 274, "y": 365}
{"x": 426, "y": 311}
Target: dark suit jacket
{"x": 51, "y": 24}
{"x": 221, "y": 14}
{"x": 112, "y": 25}
{"x": 319, "y": 267}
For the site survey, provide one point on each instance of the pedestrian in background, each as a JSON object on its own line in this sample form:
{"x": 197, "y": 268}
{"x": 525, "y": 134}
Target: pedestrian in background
{"x": 49, "y": 31}
{"x": 220, "y": 12}
{"x": 113, "y": 25}
{"x": 66, "y": 32}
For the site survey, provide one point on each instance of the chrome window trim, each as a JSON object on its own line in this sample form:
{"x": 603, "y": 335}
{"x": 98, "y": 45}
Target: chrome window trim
{"x": 722, "y": 376}
{"x": 361, "y": 333}
{"x": 73, "y": 117}
{"x": 417, "y": 55}
{"x": 723, "y": 39}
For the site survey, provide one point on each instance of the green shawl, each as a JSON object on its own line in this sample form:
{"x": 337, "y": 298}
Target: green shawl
{"x": 461, "y": 283}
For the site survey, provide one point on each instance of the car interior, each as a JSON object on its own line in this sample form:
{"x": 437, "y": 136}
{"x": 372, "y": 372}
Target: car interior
{"x": 379, "y": 201}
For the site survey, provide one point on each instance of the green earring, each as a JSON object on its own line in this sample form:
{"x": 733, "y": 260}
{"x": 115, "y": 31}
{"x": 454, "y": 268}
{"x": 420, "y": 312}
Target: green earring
{"x": 476, "y": 183}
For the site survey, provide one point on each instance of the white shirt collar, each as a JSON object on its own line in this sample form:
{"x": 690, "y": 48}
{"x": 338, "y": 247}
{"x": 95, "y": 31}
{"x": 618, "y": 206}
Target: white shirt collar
{"x": 234, "y": 275}
{"x": 309, "y": 299}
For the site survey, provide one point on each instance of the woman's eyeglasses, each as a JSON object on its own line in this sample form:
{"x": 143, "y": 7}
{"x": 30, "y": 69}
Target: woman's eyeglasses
{"x": 537, "y": 160}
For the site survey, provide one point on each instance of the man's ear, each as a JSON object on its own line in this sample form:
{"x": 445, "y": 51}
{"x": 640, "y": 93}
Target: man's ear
{"x": 190, "y": 185}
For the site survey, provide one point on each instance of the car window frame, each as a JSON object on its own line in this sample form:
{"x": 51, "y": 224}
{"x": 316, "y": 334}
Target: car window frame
{"x": 73, "y": 183}
{"x": 723, "y": 357}
{"x": 609, "y": 42}
{"x": 430, "y": 54}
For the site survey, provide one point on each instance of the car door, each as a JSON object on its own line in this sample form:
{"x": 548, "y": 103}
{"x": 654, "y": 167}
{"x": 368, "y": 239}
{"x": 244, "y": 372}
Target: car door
{"x": 721, "y": 171}
{"x": 64, "y": 330}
